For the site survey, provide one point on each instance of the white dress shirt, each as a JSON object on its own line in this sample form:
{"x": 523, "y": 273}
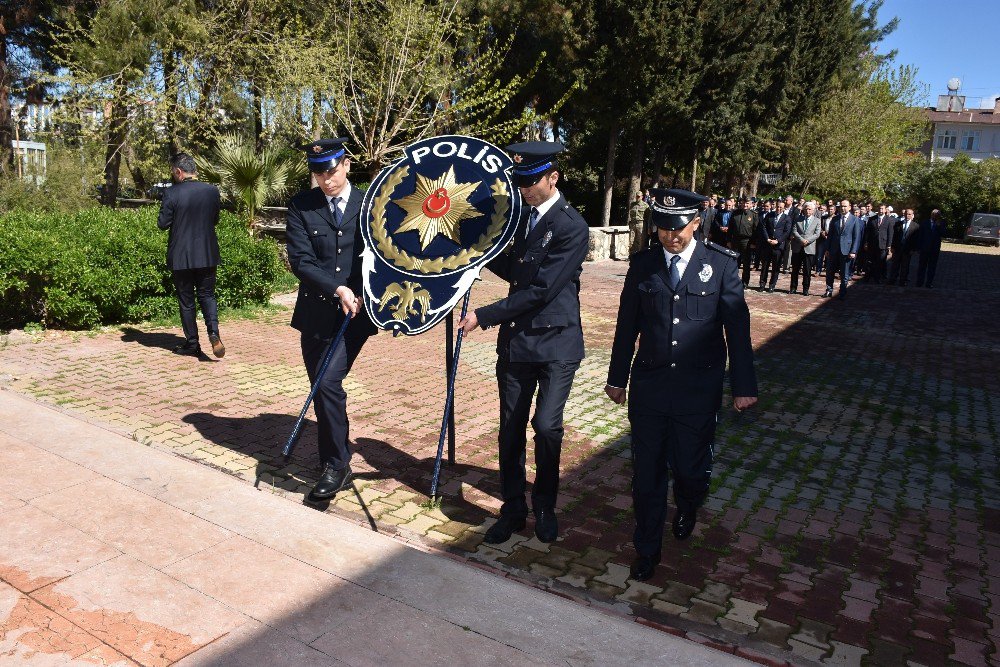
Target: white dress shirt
{"x": 685, "y": 257}
{"x": 344, "y": 195}
{"x": 543, "y": 208}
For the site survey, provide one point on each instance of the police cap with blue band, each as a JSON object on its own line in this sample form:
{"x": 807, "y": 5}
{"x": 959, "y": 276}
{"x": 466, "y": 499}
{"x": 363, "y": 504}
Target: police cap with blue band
{"x": 674, "y": 209}
{"x": 324, "y": 154}
{"x": 533, "y": 159}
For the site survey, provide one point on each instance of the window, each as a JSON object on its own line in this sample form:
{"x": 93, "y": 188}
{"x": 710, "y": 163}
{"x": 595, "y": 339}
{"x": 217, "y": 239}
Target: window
{"x": 970, "y": 140}
{"x": 947, "y": 139}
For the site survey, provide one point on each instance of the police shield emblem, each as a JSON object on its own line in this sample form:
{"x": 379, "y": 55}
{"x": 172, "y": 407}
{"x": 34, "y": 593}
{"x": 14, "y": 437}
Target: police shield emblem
{"x": 430, "y": 222}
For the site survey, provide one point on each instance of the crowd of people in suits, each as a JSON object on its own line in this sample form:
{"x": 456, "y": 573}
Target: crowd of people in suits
{"x": 810, "y": 239}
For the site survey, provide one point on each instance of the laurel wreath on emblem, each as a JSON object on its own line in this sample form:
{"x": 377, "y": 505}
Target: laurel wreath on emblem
{"x": 404, "y": 260}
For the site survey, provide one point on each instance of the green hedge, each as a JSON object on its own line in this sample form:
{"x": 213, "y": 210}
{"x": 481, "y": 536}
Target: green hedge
{"x": 108, "y": 266}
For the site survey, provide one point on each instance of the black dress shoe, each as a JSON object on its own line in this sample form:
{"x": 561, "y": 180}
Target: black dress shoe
{"x": 504, "y": 527}
{"x": 546, "y": 526}
{"x": 684, "y": 524}
{"x": 218, "y": 349}
{"x": 769, "y": 289}
{"x": 805, "y": 292}
{"x": 190, "y": 349}
{"x": 643, "y": 567}
{"x": 330, "y": 482}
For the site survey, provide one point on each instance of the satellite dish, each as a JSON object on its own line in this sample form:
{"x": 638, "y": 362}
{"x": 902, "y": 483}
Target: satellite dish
{"x": 954, "y": 84}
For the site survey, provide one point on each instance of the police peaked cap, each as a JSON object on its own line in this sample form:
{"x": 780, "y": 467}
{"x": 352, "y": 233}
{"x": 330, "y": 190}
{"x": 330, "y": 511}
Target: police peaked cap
{"x": 673, "y": 209}
{"x": 324, "y": 154}
{"x": 533, "y": 159}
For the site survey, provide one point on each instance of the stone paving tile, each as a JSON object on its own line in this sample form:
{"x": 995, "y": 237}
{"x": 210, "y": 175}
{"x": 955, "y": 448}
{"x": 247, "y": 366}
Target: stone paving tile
{"x": 860, "y": 497}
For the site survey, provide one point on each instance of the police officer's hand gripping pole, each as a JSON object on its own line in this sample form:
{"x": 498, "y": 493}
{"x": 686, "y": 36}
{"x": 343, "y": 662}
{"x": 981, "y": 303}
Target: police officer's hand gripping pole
{"x": 350, "y": 305}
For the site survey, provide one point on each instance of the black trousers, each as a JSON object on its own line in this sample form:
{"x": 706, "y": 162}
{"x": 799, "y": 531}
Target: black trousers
{"x": 900, "y": 266}
{"x": 842, "y": 263}
{"x": 820, "y": 255}
{"x": 330, "y": 402}
{"x": 801, "y": 261}
{"x": 771, "y": 265}
{"x": 681, "y": 444}
{"x": 200, "y": 283}
{"x": 926, "y": 268}
{"x": 786, "y": 256}
{"x": 745, "y": 259}
{"x": 517, "y": 382}
{"x": 876, "y": 265}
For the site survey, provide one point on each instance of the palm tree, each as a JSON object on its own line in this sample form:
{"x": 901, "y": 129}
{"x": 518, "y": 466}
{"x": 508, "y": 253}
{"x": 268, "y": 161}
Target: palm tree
{"x": 251, "y": 178}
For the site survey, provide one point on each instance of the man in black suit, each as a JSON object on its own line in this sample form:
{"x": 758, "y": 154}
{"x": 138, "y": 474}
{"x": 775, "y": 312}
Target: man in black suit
{"x": 771, "y": 241}
{"x": 795, "y": 212}
{"x": 324, "y": 239}
{"x": 708, "y": 211}
{"x": 720, "y": 223}
{"x": 684, "y": 302}
{"x": 540, "y": 342}
{"x": 878, "y": 240}
{"x": 190, "y": 210}
{"x": 931, "y": 233}
{"x": 905, "y": 242}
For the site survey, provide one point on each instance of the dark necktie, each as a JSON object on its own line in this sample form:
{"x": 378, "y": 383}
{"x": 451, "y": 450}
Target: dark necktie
{"x": 675, "y": 274}
{"x": 337, "y": 215}
{"x": 532, "y": 219}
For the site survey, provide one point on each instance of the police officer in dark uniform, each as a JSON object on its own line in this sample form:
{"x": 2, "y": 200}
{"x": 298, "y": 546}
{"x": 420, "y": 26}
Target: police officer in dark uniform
{"x": 540, "y": 342}
{"x": 684, "y": 302}
{"x": 324, "y": 247}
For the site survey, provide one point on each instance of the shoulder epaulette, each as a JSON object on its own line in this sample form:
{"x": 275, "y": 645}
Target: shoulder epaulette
{"x": 718, "y": 248}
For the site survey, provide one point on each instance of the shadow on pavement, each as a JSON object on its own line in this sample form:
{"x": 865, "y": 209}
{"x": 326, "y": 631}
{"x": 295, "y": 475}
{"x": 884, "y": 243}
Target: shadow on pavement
{"x": 263, "y": 437}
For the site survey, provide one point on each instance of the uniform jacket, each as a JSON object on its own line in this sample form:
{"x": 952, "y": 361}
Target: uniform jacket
{"x": 776, "y": 227}
{"x": 908, "y": 241}
{"x": 845, "y": 235}
{"x": 879, "y": 232}
{"x": 637, "y": 213}
{"x": 539, "y": 319}
{"x": 323, "y": 257}
{"x": 683, "y": 334}
{"x": 742, "y": 227}
{"x": 190, "y": 210}
{"x": 805, "y": 233}
{"x": 930, "y": 236}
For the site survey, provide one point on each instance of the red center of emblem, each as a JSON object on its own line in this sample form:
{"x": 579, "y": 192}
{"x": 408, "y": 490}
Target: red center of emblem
{"x": 437, "y": 203}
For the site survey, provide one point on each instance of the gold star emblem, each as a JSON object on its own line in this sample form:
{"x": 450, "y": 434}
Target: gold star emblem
{"x": 317, "y": 149}
{"x": 436, "y": 207}
{"x": 518, "y": 159}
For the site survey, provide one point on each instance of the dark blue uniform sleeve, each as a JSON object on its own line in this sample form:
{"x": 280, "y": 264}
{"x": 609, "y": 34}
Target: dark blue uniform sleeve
{"x": 735, "y": 316}
{"x": 569, "y": 248}
{"x": 302, "y": 257}
{"x": 626, "y": 330}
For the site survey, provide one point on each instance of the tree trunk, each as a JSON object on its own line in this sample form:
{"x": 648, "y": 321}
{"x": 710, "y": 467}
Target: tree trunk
{"x": 6, "y": 124}
{"x": 659, "y": 156}
{"x": 635, "y": 168}
{"x": 609, "y": 173}
{"x": 170, "y": 92}
{"x": 257, "y": 109}
{"x": 317, "y": 106}
{"x": 754, "y": 182}
{"x": 706, "y": 184}
{"x": 116, "y": 139}
{"x": 694, "y": 175}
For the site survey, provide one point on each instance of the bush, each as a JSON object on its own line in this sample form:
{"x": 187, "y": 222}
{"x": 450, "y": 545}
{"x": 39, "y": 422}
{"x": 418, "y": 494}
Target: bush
{"x": 108, "y": 266}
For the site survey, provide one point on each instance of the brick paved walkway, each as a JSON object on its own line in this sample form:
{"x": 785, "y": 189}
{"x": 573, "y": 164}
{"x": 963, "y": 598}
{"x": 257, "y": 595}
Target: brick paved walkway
{"x": 853, "y": 516}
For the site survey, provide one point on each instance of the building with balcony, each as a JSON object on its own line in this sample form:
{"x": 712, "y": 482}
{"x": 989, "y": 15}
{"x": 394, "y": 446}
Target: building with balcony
{"x": 956, "y": 129}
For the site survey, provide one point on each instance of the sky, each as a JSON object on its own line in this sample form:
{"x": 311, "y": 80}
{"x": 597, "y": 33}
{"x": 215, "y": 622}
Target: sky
{"x": 945, "y": 39}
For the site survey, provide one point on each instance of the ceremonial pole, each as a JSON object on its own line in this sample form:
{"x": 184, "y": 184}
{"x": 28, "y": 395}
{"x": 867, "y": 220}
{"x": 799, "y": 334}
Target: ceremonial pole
{"x": 449, "y": 400}
{"x": 296, "y": 431}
